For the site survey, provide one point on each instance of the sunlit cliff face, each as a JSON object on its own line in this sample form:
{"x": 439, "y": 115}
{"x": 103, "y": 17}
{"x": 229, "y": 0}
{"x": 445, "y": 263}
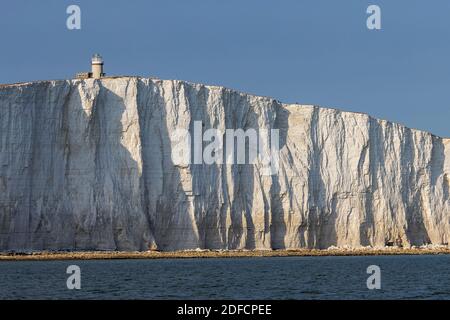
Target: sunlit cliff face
{"x": 87, "y": 165}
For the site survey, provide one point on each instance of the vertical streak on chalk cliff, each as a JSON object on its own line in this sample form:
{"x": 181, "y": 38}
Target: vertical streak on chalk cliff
{"x": 86, "y": 164}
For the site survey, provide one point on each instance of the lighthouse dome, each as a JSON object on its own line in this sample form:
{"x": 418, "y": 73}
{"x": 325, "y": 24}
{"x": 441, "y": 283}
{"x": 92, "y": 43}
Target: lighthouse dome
{"x": 97, "y": 59}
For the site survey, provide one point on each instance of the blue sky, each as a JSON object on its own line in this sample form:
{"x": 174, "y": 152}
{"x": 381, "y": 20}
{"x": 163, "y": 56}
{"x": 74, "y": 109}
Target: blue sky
{"x": 313, "y": 52}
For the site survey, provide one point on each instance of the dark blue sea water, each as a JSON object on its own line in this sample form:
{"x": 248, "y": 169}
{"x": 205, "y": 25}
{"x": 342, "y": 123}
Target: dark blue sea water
{"x": 402, "y": 277}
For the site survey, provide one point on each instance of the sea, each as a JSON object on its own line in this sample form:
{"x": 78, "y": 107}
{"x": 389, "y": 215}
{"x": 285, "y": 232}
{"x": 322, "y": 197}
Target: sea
{"x": 330, "y": 277}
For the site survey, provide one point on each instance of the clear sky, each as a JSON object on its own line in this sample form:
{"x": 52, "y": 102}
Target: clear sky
{"x": 313, "y": 52}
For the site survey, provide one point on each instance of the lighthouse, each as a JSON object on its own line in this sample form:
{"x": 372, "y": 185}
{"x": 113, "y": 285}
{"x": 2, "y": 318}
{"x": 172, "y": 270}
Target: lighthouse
{"x": 96, "y": 69}
{"x": 97, "y": 66}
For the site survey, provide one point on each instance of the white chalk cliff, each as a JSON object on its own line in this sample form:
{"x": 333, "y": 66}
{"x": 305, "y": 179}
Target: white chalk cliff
{"x": 86, "y": 165}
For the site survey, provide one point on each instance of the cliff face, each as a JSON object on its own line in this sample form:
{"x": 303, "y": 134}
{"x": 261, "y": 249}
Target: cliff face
{"x": 86, "y": 164}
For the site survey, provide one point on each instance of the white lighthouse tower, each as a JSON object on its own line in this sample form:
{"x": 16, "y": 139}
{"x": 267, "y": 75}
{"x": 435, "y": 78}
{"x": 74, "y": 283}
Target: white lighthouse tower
{"x": 97, "y": 66}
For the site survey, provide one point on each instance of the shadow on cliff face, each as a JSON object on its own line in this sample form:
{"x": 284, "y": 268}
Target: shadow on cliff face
{"x": 100, "y": 206}
{"x": 210, "y": 197}
{"x": 376, "y": 163}
{"x": 81, "y": 187}
{"x": 224, "y": 201}
{"x": 413, "y": 200}
{"x": 417, "y": 202}
{"x": 278, "y": 226}
{"x": 25, "y": 171}
{"x": 439, "y": 183}
{"x": 320, "y": 228}
{"x": 241, "y": 231}
{"x": 167, "y": 205}
{"x": 208, "y": 206}
{"x": 117, "y": 196}
{"x": 223, "y": 212}
{"x": 416, "y": 231}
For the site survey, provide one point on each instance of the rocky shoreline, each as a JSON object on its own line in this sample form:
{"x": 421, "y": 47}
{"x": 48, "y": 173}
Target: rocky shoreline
{"x": 105, "y": 255}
